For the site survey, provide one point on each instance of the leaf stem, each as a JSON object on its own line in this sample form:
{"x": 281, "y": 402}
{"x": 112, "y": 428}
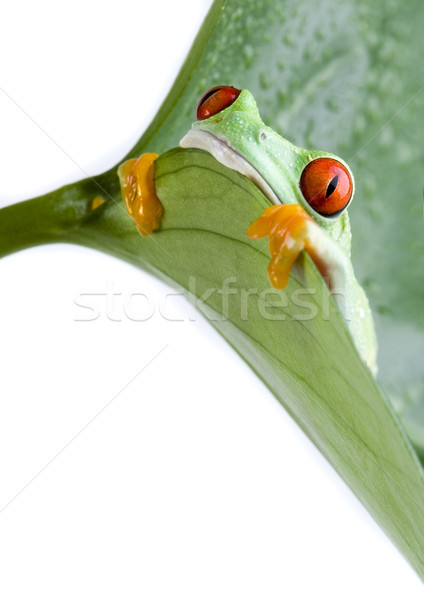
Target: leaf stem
{"x": 52, "y": 217}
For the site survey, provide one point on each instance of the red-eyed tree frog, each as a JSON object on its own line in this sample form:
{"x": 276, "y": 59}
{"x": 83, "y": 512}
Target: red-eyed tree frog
{"x": 309, "y": 192}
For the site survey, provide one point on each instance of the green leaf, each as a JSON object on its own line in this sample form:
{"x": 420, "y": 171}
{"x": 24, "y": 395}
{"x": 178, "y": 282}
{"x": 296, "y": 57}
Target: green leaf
{"x": 286, "y": 337}
{"x": 345, "y": 77}
{"x": 342, "y": 77}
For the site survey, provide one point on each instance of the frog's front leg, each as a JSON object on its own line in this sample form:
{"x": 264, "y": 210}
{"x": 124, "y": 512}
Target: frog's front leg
{"x": 290, "y": 230}
{"x": 287, "y": 226}
{"x": 138, "y": 190}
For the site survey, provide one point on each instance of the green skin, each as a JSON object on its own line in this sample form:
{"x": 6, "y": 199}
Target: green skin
{"x": 239, "y": 139}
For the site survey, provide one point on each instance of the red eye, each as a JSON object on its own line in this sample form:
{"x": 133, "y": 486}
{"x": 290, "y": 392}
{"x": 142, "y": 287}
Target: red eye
{"x": 326, "y": 186}
{"x": 216, "y": 100}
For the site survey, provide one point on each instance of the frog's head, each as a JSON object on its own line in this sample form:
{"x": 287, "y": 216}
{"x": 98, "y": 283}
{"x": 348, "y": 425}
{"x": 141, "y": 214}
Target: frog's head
{"x": 230, "y": 128}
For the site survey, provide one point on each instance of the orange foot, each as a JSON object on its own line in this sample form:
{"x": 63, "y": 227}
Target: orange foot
{"x": 138, "y": 190}
{"x": 288, "y": 227}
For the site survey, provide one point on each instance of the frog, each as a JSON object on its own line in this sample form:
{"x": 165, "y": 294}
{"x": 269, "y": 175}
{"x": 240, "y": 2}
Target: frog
{"x": 308, "y": 192}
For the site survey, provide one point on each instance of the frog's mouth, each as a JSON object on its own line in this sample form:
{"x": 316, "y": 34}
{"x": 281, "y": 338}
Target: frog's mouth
{"x": 223, "y": 153}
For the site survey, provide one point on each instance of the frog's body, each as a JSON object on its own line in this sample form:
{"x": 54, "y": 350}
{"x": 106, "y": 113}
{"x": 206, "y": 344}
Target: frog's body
{"x": 236, "y": 136}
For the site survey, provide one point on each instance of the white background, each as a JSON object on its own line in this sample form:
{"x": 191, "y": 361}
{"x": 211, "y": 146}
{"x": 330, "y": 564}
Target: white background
{"x": 193, "y": 482}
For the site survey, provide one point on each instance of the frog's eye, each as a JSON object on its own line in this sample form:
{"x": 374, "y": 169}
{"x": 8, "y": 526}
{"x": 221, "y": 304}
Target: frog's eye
{"x": 326, "y": 186}
{"x": 215, "y": 100}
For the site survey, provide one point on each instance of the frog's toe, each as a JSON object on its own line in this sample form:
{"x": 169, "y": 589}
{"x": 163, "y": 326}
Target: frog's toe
{"x": 138, "y": 191}
{"x": 286, "y": 225}
{"x": 278, "y": 273}
{"x": 260, "y": 227}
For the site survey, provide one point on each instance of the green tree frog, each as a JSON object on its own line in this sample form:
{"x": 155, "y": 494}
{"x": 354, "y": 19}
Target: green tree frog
{"x": 309, "y": 192}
